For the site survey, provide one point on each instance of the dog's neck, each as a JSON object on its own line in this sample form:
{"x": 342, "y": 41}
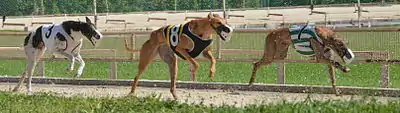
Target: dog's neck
{"x": 326, "y": 35}
{"x": 76, "y": 35}
{"x": 202, "y": 28}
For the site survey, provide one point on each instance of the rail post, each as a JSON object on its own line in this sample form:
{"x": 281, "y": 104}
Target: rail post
{"x": 281, "y": 72}
{"x": 41, "y": 68}
{"x": 113, "y": 67}
{"x": 385, "y": 72}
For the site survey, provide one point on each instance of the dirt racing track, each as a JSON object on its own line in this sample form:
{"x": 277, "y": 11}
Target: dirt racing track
{"x": 196, "y": 92}
{"x": 291, "y": 15}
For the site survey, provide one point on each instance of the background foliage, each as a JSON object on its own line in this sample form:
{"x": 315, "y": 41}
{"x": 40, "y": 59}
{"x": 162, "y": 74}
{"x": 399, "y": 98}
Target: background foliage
{"x": 26, "y": 7}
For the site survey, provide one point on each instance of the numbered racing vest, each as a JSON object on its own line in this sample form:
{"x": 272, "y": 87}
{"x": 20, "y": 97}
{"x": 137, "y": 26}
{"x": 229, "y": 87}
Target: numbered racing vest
{"x": 55, "y": 37}
{"x": 173, "y": 33}
{"x": 301, "y": 35}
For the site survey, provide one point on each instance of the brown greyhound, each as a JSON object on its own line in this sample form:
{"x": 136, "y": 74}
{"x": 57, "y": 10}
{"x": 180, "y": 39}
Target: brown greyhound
{"x": 187, "y": 41}
{"x": 318, "y": 41}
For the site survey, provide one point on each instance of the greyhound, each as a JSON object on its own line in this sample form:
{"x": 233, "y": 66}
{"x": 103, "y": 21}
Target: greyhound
{"x": 187, "y": 41}
{"x": 310, "y": 40}
{"x": 65, "y": 38}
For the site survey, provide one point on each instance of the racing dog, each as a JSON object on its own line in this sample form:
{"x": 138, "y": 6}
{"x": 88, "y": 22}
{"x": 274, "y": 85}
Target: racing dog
{"x": 65, "y": 38}
{"x": 187, "y": 41}
{"x": 307, "y": 40}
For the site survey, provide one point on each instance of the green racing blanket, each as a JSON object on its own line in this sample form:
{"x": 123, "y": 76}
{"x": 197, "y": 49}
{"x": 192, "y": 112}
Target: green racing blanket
{"x": 301, "y": 36}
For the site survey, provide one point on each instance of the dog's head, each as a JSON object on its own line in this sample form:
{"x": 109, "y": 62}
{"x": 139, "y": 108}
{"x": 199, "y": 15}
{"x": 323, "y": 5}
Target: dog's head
{"x": 89, "y": 30}
{"x": 339, "y": 46}
{"x": 220, "y": 26}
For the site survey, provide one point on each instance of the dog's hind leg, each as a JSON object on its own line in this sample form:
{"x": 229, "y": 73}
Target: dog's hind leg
{"x": 168, "y": 56}
{"x": 256, "y": 66}
{"x": 208, "y": 55}
{"x": 276, "y": 48}
{"x": 30, "y": 53}
{"x": 147, "y": 55}
{"x": 20, "y": 82}
{"x": 33, "y": 57}
{"x": 32, "y": 64}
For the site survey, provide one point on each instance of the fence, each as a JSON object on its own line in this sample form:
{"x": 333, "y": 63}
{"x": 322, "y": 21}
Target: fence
{"x": 333, "y": 16}
{"x": 224, "y": 51}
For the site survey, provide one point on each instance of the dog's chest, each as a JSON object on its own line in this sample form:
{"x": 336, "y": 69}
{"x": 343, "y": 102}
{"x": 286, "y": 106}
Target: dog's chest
{"x": 173, "y": 33}
{"x": 301, "y": 36}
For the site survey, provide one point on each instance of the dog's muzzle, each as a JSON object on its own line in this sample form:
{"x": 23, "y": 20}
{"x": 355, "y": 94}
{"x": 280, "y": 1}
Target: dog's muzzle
{"x": 348, "y": 57}
{"x": 93, "y": 39}
{"x": 224, "y": 32}
{"x": 98, "y": 36}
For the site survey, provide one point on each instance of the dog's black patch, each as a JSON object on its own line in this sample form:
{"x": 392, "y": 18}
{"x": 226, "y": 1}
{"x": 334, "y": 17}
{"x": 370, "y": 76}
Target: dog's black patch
{"x": 61, "y": 37}
{"x": 37, "y": 38}
{"x": 87, "y": 29}
{"x": 71, "y": 25}
{"x": 27, "y": 39}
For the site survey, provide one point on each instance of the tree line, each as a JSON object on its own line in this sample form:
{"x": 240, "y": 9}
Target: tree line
{"x": 29, "y": 7}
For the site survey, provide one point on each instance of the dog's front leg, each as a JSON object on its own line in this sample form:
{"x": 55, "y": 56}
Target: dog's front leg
{"x": 194, "y": 65}
{"x": 208, "y": 54}
{"x": 71, "y": 59}
{"x": 328, "y": 55}
{"x": 79, "y": 59}
{"x": 325, "y": 55}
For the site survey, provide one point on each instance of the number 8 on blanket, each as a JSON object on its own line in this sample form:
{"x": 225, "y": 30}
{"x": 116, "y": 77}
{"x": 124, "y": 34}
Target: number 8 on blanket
{"x": 174, "y": 35}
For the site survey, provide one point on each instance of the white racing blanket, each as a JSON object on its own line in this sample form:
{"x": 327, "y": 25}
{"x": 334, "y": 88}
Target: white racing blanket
{"x": 55, "y": 38}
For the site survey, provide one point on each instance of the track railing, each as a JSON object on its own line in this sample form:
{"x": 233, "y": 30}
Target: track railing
{"x": 41, "y": 63}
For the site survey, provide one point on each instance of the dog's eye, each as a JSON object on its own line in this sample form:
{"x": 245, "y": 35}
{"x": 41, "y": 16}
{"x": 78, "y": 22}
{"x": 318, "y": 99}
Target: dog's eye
{"x": 220, "y": 23}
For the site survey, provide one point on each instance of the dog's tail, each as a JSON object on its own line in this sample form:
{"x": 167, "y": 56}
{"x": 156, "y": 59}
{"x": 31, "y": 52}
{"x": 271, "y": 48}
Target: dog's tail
{"x": 129, "y": 49}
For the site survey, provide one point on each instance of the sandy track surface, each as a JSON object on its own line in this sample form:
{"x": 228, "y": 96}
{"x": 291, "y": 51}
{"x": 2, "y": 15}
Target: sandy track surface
{"x": 294, "y": 15}
{"x": 208, "y": 97}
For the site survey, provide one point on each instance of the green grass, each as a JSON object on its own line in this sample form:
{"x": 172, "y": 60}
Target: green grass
{"x": 48, "y": 103}
{"x": 363, "y": 75}
{"x": 296, "y": 73}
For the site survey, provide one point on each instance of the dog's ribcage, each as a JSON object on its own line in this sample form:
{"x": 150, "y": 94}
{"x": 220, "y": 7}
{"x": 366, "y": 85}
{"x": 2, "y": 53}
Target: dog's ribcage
{"x": 56, "y": 39}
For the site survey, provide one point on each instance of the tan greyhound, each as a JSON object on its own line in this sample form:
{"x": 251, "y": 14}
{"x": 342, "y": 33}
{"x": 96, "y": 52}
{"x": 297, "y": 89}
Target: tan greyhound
{"x": 187, "y": 41}
{"x": 307, "y": 40}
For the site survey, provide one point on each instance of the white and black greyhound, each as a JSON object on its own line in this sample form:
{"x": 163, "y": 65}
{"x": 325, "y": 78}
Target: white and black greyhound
{"x": 65, "y": 38}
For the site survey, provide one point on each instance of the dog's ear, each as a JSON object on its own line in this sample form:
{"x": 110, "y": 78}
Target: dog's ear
{"x": 4, "y": 19}
{"x": 210, "y": 16}
{"x": 216, "y": 15}
{"x": 88, "y": 20}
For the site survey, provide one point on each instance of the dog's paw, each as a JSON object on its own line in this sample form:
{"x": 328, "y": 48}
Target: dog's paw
{"x": 15, "y": 90}
{"x": 68, "y": 70}
{"x": 29, "y": 93}
{"x": 76, "y": 77}
{"x": 346, "y": 70}
{"x": 130, "y": 94}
